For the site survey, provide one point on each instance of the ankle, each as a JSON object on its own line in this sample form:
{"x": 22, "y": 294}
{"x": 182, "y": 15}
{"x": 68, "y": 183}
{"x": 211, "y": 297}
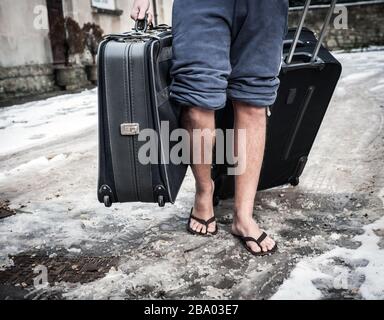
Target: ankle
{"x": 243, "y": 221}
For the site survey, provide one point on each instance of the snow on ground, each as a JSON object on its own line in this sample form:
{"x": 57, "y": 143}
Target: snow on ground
{"x": 330, "y": 229}
{"x": 34, "y": 123}
{"x": 362, "y": 77}
{"x": 368, "y": 258}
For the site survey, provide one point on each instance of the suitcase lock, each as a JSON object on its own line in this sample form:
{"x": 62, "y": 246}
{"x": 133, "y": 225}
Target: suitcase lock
{"x": 130, "y": 129}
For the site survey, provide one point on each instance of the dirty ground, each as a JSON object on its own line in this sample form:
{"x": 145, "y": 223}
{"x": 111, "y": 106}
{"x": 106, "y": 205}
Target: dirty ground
{"x": 330, "y": 228}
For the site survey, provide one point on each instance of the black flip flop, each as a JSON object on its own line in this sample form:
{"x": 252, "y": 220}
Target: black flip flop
{"x": 206, "y": 223}
{"x": 258, "y": 241}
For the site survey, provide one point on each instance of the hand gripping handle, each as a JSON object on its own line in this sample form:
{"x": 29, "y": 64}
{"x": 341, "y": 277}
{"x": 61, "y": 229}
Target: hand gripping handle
{"x": 141, "y": 25}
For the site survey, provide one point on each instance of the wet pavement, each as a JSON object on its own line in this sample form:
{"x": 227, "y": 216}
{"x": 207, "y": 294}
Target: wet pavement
{"x": 330, "y": 229}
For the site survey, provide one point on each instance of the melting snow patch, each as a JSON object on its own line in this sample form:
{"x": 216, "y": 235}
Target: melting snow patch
{"x": 334, "y": 236}
{"x": 38, "y": 122}
{"x": 5, "y": 263}
{"x": 33, "y": 165}
{"x": 215, "y": 293}
{"x": 117, "y": 284}
{"x": 112, "y": 286}
{"x": 359, "y": 76}
{"x": 367, "y": 279}
{"x": 378, "y": 88}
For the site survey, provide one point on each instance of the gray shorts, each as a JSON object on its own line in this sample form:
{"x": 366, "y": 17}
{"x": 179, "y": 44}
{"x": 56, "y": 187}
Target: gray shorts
{"x": 227, "y": 48}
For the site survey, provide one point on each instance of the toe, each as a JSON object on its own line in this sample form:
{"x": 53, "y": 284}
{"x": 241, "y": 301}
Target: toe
{"x": 212, "y": 227}
{"x": 264, "y": 247}
{"x": 195, "y": 225}
{"x": 270, "y": 243}
{"x": 204, "y": 229}
{"x": 273, "y": 243}
{"x": 199, "y": 227}
{"x": 253, "y": 246}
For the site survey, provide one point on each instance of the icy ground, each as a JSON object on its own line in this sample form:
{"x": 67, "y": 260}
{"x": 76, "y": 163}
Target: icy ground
{"x": 330, "y": 228}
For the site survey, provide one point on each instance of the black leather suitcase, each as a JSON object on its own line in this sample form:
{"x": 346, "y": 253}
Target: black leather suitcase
{"x": 133, "y": 79}
{"x": 308, "y": 76}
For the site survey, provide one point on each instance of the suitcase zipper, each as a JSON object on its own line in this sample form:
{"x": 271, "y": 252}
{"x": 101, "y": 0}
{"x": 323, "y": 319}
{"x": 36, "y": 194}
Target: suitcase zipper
{"x": 163, "y": 173}
{"x": 106, "y": 191}
{"x": 130, "y": 116}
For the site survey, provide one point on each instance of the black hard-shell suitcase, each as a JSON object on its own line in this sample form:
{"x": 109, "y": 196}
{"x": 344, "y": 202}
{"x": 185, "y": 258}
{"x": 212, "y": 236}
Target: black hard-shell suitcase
{"x": 133, "y": 79}
{"x": 308, "y": 78}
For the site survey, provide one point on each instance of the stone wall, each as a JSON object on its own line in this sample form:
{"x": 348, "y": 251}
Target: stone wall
{"x": 365, "y": 25}
{"x": 27, "y": 80}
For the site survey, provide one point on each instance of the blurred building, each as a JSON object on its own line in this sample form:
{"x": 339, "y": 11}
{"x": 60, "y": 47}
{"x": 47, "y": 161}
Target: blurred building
{"x": 27, "y": 60}
{"x": 26, "y": 55}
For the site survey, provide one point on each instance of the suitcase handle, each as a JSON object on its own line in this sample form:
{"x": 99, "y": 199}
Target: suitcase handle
{"x": 162, "y": 26}
{"x": 300, "y": 28}
{"x": 287, "y": 43}
{"x": 142, "y": 25}
{"x": 131, "y": 35}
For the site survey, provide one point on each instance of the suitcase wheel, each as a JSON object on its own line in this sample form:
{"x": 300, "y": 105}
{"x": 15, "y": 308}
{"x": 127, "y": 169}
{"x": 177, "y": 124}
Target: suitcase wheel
{"x": 294, "y": 181}
{"x": 107, "y": 201}
{"x": 160, "y": 201}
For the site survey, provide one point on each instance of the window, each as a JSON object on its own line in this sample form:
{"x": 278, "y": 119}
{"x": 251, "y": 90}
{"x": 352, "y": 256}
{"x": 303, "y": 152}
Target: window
{"x": 104, "y": 4}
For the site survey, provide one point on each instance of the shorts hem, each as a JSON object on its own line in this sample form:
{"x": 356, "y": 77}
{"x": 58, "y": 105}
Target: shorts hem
{"x": 189, "y": 103}
{"x": 257, "y": 103}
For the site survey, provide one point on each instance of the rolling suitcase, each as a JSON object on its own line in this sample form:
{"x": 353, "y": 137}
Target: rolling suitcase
{"x": 308, "y": 76}
{"x": 133, "y": 80}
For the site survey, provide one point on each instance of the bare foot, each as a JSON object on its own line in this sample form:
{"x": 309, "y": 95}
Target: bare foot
{"x": 249, "y": 228}
{"x": 203, "y": 208}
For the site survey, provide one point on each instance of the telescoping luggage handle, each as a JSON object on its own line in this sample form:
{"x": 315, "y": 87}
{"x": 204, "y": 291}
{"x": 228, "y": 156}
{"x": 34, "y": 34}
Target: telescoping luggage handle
{"x": 300, "y": 28}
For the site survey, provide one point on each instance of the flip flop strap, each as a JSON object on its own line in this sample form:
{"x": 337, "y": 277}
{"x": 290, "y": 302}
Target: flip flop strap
{"x": 246, "y": 239}
{"x": 261, "y": 238}
{"x": 258, "y": 241}
{"x": 209, "y": 221}
{"x": 204, "y": 222}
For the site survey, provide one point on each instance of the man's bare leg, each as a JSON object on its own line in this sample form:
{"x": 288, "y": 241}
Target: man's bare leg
{"x": 253, "y": 120}
{"x": 198, "y": 118}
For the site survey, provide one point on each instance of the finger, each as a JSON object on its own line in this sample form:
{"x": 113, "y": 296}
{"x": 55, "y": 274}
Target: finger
{"x": 150, "y": 18}
{"x": 134, "y": 13}
{"x": 142, "y": 13}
